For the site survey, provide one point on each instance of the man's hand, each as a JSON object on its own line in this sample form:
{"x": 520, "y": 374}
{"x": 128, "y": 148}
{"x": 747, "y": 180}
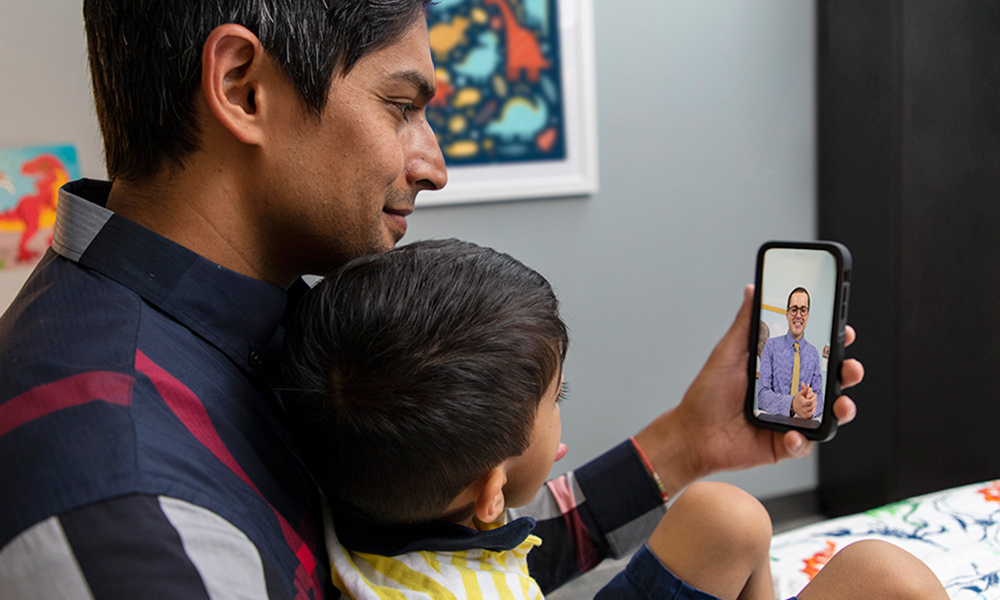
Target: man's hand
{"x": 804, "y": 403}
{"x": 708, "y": 431}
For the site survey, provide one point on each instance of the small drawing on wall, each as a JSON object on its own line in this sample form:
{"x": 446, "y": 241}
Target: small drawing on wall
{"x": 514, "y": 109}
{"x": 30, "y": 179}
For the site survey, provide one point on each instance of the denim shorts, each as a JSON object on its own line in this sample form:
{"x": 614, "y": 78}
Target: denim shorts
{"x": 646, "y": 577}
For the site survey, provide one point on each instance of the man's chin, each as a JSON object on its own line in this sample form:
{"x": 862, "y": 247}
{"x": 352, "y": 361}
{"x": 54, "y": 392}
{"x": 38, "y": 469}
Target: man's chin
{"x": 394, "y": 239}
{"x": 394, "y": 226}
{"x": 390, "y": 239}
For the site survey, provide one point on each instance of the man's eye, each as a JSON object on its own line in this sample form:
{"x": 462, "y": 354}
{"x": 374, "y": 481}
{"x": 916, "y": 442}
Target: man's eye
{"x": 406, "y": 108}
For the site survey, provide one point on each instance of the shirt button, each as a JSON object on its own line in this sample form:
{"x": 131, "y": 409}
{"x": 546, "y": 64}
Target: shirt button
{"x": 255, "y": 358}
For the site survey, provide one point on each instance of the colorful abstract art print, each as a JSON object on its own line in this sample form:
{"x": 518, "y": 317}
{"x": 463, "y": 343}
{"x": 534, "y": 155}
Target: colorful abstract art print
{"x": 499, "y": 94}
{"x": 513, "y": 112}
{"x": 30, "y": 179}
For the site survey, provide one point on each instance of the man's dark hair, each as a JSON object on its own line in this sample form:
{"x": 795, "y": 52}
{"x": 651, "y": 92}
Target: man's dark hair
{"x": 410, "y": 374}
{"x": 145, "y": 62}
{"x": 798, "y": 290}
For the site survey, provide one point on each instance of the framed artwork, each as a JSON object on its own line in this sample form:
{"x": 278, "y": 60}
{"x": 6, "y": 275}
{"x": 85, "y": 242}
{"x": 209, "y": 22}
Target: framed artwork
{"x": 30, "y": 179}
{"x": 515, "y": 107}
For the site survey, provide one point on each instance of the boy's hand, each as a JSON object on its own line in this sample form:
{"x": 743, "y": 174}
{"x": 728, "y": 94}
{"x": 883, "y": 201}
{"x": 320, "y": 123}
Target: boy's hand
{"x": 708, "y": 431}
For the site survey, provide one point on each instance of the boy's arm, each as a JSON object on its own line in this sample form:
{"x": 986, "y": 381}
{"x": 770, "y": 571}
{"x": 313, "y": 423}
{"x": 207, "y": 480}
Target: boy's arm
{"x": 606, "y": 508}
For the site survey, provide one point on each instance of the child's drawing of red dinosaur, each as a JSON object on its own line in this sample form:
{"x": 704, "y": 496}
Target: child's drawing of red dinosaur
{"x": 36, "y": 210}
{"x": 523, "y": 51}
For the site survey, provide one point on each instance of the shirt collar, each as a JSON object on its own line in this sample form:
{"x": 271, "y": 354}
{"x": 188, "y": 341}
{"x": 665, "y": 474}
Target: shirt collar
{"x": 790, "y": 340}
{"x": 361, "y": 534}
{"x": 238, "y": 314}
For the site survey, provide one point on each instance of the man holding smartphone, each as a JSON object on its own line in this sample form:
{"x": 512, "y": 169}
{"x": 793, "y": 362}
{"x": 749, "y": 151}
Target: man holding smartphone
{"x": 143, "y": 447}
{"x": 791, "y": 381}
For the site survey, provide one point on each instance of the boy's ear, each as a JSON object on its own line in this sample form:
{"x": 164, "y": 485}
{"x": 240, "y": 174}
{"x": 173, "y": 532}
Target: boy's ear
{"x": 232, "y": 67}
{"x": 490, "y": 503}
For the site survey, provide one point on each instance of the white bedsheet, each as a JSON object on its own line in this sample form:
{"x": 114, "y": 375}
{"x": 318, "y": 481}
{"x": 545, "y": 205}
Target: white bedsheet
{"x": 955, "y": 532}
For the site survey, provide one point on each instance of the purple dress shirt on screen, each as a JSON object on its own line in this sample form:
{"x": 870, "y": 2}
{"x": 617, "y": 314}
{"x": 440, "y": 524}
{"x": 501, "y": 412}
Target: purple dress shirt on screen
{"x": 775, "y": 381}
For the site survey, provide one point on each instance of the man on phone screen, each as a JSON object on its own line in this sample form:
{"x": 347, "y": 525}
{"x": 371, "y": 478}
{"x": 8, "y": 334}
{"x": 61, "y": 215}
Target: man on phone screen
{"x": 791, "y": 382}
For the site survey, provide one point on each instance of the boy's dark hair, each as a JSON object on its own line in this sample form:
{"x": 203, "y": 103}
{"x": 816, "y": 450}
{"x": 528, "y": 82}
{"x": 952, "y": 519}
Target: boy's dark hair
{"x": 145, "y": 62}
{"x": 410, "y": 374}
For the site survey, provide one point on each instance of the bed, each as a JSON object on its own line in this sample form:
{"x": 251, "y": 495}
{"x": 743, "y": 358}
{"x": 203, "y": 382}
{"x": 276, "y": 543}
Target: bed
{"x": 955, "y": 532}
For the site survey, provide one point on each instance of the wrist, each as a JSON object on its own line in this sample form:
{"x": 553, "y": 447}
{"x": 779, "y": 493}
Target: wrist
{"x": 650, "y": 470}
{"x": 669, "y": 453}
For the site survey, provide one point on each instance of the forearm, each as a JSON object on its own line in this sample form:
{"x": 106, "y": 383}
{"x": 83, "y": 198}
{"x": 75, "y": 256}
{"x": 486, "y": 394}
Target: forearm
{"x": 671, "y": 451}
{"x": 773, "y": 402}
{"x": 605, "y": 508}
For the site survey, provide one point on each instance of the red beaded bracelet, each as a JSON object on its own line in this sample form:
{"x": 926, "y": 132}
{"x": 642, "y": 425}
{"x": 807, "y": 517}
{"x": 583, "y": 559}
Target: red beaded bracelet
{"x": 652, "y": 472}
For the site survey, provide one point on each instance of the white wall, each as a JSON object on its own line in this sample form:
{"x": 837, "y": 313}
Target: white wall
{"x": 45, "y": 90}
{"x": 707, "y": 148}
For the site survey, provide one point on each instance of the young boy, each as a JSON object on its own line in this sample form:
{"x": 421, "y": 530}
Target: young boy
{"x": 425, "y": 387}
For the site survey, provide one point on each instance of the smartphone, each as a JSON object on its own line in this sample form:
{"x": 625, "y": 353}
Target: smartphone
{"x": 797, "y": 336}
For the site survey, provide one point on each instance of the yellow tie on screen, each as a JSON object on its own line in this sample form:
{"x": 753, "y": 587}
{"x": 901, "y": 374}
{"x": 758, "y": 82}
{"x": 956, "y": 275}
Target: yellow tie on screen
{"x": 795, "y": 370}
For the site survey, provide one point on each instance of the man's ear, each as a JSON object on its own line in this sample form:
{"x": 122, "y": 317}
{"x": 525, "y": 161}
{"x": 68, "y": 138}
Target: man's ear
{"x": 490, "y": 502}
{"x": 232, "y": 64}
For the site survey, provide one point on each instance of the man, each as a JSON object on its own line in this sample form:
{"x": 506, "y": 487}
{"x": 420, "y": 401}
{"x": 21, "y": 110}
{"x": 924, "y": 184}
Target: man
{"x": 141, "y": 439}
{"x": 791, "y": 381}
{"x": 143, "y": 449}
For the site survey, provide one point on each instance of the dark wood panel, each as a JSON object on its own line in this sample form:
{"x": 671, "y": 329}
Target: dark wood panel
{"x": 909, "y": 179}
{"x": 950, "y": 253}
{"x": 857, "y": 175}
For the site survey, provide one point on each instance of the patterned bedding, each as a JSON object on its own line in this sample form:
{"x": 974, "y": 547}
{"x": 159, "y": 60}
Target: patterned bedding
{"x": 955, "y": 532}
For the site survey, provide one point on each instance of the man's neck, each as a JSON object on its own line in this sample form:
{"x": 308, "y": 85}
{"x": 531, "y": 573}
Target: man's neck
{"x": 201, "y": 213}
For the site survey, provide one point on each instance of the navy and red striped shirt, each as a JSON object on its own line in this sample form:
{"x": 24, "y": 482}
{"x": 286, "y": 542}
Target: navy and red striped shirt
{"x": 143, "y": 451}
{"x": 134, "y": 370}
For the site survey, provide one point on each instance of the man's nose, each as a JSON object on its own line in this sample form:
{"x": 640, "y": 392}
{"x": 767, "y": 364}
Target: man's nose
{"x": 426, "y": 168}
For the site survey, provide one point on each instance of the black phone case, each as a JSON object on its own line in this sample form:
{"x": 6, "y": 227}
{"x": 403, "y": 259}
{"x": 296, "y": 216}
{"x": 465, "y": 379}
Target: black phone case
{"x": 828, "y": 424}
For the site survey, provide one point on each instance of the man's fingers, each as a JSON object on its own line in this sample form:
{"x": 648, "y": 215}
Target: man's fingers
{"x": 845, "y": 410}
{"x": 742, "y": 323}
{"x": 796, "y": 445}
{"x": 849, "y": 335}
{"x": 734, "y": 343}
{"x": 851, "y": 373}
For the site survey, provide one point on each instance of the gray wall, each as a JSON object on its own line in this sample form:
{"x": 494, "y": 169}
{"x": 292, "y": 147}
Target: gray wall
{"x": 706, "y": 147}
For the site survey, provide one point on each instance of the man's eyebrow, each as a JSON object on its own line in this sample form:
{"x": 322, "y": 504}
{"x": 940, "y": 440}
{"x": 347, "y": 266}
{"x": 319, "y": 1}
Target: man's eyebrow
{"x": 425, "y": 89}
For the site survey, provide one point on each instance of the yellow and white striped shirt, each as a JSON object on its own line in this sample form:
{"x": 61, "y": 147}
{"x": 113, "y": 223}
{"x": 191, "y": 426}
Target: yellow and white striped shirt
{"x": 472, "y": 574}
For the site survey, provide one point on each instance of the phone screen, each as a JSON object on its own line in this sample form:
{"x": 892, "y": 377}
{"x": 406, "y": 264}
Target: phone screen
{"x": 799, "y": 313}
